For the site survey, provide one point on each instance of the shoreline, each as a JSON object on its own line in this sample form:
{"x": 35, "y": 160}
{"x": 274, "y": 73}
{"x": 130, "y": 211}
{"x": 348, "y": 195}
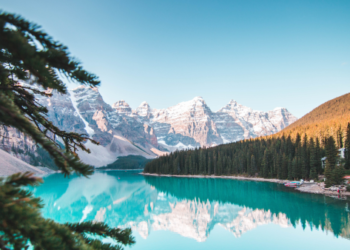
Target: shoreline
{"x": 220, "y": 177}
{"x": 313, "y": 188}
{"x": 139, "y": 169}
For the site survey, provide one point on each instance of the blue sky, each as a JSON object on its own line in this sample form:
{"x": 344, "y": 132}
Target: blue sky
{"x": 263, "y": 54}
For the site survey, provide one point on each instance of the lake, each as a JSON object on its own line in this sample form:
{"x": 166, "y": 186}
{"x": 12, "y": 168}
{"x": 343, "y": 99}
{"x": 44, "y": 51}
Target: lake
{"x": 199, "y": 213}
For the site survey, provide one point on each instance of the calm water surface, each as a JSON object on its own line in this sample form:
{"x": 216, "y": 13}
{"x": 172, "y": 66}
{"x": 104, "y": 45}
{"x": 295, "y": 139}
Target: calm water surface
{"x": 191, "y": 213}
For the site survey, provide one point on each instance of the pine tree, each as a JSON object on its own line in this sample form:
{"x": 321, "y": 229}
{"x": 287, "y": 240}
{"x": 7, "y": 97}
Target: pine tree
{"x": 228, "y": 166}
{"x": 279, "y": 163}
{"x": 253, "y": 165}
{"x": 188, "y": 162}
{"x": 202, "y": 162}
{"x": 234, "y": 167}
{"x": 347, "y": 148}
{"x": 219, "y": 165}
{"x": 331, "y": 152}
{"x": 337, "y": 175}
{"x": 294, "y": 168}
{"x": 332, "y": 155}
{"x": 297, "y": 170}
{"x": 290, "y": 169}
{"x": 304, "y": 159}
{"x": 340, "y": 137}
{"x": 176, "y": 165}
{"x": 313, "y": 160}
{"x": 29, "y": 64}
{"x": 209, "y": 166}
{"x": 284, "y": 169}
{"x": 215, "y": 164}
{"x": 328, "y": 173}
{"x": 318, "y": 157}
{"x": 265, "y": 164}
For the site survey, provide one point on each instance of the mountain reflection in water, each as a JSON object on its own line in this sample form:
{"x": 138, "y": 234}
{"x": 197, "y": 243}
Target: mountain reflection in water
{"x": 190, "y": 207}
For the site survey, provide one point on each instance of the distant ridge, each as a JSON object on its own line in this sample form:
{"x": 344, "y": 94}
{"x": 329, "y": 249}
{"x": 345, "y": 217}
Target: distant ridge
{"x": 328, "y": 119}
{"x": 11, "y": 165}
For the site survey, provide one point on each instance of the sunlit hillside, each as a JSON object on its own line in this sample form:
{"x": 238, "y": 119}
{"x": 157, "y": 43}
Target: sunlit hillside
{"x": 328, "y": 119}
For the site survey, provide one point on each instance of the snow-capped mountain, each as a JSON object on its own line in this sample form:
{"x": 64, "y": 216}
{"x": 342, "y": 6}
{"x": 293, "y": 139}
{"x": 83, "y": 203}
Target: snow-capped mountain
{"x": 237, "y": 122}
{"x": 153, "y": 132}
{"x": 192, "y": 123}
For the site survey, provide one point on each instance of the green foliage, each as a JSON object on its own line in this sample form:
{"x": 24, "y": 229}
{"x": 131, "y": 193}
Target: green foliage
{"x": 32, "y": 64}
{"x": 314, "y": 160}
{"x": 44, "y": 159}
{"x": 22, "y": 222}
{"x": 267, "y": 157}
{"x": 328, "y": 173}
{"x": 337, "y": 175}
{"x": 331, "y": 153}
{"x": 347, "y": 148}
{"x": 128, "y": 162}
{"x": 323, "y": 213}
{"x": 333, "y": 172}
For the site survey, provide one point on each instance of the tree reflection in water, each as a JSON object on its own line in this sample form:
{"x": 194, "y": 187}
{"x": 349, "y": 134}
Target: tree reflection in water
{"x": 190, "y": 207}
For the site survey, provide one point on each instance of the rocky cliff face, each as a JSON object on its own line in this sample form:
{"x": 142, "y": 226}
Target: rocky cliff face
{"x": 116, "y": 128}
{"x": 192, "y": 124}
{"x": 237, "y": 122}
{"x": 187, "y": 124}
{"x": 152, "y": 132}
{"x": 17, "y": 144}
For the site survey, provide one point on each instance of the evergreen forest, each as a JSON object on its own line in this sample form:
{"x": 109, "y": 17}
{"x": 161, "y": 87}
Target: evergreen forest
{"x": 281, "y": 157}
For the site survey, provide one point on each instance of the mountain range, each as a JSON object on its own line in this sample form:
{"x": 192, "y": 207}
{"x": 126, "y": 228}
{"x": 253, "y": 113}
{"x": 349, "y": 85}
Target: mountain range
{"x": 150, "y": 132}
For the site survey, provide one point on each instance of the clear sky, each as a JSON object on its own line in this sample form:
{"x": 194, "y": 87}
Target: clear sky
{"x": 263, "y": 54}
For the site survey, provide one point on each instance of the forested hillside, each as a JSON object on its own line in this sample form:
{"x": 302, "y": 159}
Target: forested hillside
{"x": 328, "y": 119}
{"x": 294, "y": 153}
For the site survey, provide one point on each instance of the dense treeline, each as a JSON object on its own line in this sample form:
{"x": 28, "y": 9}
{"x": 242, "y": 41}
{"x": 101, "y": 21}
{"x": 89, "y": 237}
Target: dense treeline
{"x": 128, "y": 162}
{"x": 266, "y": 157}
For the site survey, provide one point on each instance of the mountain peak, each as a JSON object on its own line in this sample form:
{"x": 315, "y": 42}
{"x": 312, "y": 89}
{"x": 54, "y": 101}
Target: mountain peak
{"x": 144, "y": 104}
{"x": 121, "y": 107}
{"x": 144, "y": 109}
{"x": 84, "y": 87}
{"x": 198, "y": 98}
{"x": 120, "y": 103}
{"x": 232, "y": 101}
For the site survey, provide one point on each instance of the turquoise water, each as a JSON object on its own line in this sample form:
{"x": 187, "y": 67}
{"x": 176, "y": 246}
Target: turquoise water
{"x": 191, "y": 213}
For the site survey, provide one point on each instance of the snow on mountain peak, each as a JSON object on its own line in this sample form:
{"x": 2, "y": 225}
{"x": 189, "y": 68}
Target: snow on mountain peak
{"x": 79, "y": 87}
{"x": 144, "y": 104}
{"x": 86, "y": 88}
{"x": 121, "y": 107}
{"x": 186, "y": 124}
{"x": 144, "y": 109}
{"x": 198, "y": 98}
{"x": 234, "y": 106}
